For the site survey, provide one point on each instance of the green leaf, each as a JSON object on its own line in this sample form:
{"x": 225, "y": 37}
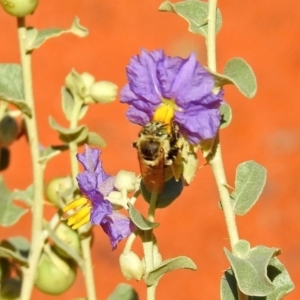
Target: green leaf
{"x": 24, "y": 195}
{"x": 249, "y": 183}
{"x": 16, "y": 248}
{"x": 138, "y": 220}
{"x": 20, "y": 104}
{"x": 50, "y": 152}
{"x": 123, "y": 291}
{"x": 11, "y": 81}
{"x": 228, "y": 286}
{"x": 242, "y": 75}
{"x": 9, "y": 213}
{"x": 67, "y": 103}
{"x": 194, "y": 12}
{"x": 180, "y": 262}
{"x": 251, "y": 272}
{"x": 83, "y": 111}
{"x": 241, "y": 249}
{"x": 95, "y": 139}
{"x": 67, "y": 135}
{"x": 237, "y": 72}
{"x": 280, "y": 278}
{"x": 276, "y": 273}
{"x": 226, "y": 115}
{"x": 36, "y": 38}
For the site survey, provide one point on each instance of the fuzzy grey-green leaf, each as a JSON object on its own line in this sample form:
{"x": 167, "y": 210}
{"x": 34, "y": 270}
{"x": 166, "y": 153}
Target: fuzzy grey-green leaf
{"x": 123, "y": 291}
{"x": 20, "y": 104}
{"x": 228, "y": 288}
{"x": 138, "y": 220}
{"x": 242, "y": 76}
{"x": 47, "y": 153}
{"x": 11, "y": 81}
{"x": 180, "y": 262}
{"x": 36, "y": 38}
{"x": 251, "y": 272}
{"x": 226, "y": 115}
{"x": 12, "y": 254}
{"x": 9, "y": 213}
{"x": 95, "y": 139}
{"x": 24, "y": 195}
{"x": 241, "y": 248}
{"x": 194, "y": 12}
{"x": 67, "y": 135}
{"x": 67, "y": 103}
{"x": 249, "y": 183}
{"x": 280, "y": 278}
{"x": 277, "y": 273}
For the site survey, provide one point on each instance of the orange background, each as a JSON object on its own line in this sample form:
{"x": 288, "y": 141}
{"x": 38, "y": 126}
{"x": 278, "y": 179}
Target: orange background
{"x": 266, "y": 129}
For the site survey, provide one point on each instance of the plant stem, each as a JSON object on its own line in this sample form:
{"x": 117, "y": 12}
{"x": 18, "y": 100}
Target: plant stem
{"x": 216, "y": 164}
{"x": 88, "y": 268}
{"x": 73, "y": 145}
{"x": 37, "y": 168}
{"x": 215, "y": 159}
{"x": 85, "y": 241}
{"x": 148, "y": 246}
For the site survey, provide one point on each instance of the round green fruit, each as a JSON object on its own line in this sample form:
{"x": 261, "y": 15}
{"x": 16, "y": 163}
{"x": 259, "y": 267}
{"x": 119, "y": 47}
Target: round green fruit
{"x": 19, "y": 8}
{"x": 56, "y": 186}
{"x": 70, "y": 237}
{"x": 54, "y": 274}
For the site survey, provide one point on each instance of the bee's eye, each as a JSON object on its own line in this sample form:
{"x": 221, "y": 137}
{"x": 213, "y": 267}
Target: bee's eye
{"x": 158, "y": 133}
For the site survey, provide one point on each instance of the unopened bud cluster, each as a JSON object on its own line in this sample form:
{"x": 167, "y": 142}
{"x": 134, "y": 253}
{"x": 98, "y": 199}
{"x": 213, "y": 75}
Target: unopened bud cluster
{"x": 86, "y": 88}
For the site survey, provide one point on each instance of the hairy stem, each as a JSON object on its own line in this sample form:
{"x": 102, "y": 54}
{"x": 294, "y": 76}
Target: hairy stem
{"x": 87, "y": 267}
{"x": 37, "y": 168}
{"x": 215, "y": 159}
{"x": 148, "y": 246}
{"x": 73, "y": 145}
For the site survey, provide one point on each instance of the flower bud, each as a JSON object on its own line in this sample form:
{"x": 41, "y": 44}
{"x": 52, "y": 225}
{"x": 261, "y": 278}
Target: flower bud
{"x": 131, "y": 265}
{"x": 116, "y": 199}
{"x": 19, "y": 8}
{"x": 103, "y": 91}
{"x": 125, "y": 180}
{"x": 88, "y": 79}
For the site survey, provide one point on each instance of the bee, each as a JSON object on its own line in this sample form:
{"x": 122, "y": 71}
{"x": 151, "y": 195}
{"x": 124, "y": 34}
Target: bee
{"x": 158, "y": 147}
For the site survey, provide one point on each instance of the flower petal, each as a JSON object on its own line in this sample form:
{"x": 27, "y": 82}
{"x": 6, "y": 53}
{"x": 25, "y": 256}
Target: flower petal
{"x": 107, "y": 186}
{"x": 87, "y": 182}
{"x": 101, "y": 208}
{"x": 198, "y": 123}
{"x": 192, "y": 83}
{"x": 137, "y": 116}
{"x": 117, "y": 227}
{"x": 141, "y": 73}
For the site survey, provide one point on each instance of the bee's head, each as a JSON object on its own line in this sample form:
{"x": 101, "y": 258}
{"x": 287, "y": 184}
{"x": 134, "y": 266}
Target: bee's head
{"x": 149, "y": 149}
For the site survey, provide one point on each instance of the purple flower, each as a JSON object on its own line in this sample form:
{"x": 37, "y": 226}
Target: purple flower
{"x": 95, "y": 184}
{"x": 156, "y": 79}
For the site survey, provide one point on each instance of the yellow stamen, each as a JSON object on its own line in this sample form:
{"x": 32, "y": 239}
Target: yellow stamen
{"x": 75, "y": 204}
{"x": 79, "y": 215}
{"x": 83, "y": 221}
{"x": 165, "y": 112}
